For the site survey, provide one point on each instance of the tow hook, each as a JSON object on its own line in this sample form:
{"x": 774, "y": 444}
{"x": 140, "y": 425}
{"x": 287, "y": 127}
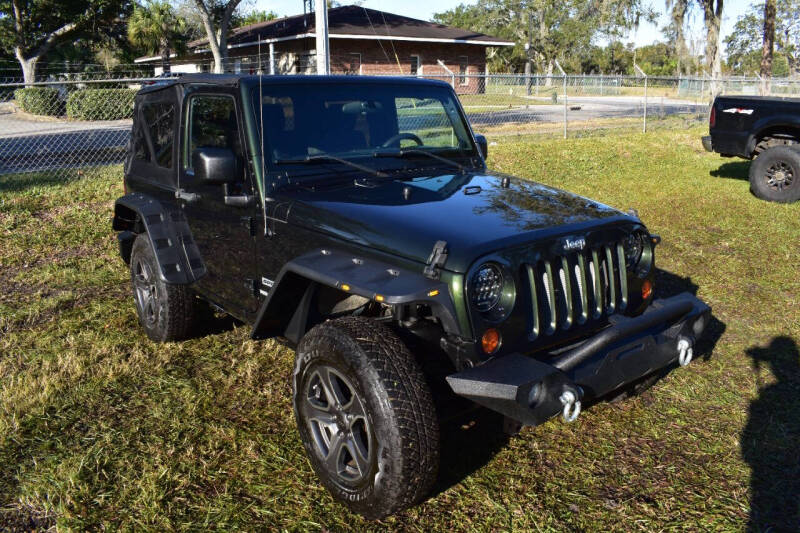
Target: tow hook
{"x": 572, "y": 406}
{"x": 685, "y": 351}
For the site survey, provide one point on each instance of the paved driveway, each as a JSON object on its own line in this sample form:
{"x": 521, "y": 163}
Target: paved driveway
{"x": 28, "y": 145}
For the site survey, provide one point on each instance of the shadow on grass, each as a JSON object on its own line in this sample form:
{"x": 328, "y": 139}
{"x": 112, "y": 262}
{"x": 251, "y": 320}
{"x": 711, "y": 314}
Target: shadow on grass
{"x": 669, "y": 284}
{"x": 11, "y": 183}
{"x": 737, "y": 170}
{"x": 771, "y": 438}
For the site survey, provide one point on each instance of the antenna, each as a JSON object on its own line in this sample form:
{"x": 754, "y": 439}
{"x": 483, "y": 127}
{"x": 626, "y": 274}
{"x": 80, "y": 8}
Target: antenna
{"x": 263, "y": 164}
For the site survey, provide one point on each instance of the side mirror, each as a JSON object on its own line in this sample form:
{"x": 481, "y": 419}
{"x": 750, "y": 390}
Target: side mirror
{"x": 483, "y": 146}
{"x": 215, "y": 165}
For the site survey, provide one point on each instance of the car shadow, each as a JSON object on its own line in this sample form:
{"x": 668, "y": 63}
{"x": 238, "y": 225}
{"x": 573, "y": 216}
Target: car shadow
{"x": 469, "y": 437}
{"x": 770, "y": 439}
{"x": 737, "y": 170}
{"x": 668, "y": 284}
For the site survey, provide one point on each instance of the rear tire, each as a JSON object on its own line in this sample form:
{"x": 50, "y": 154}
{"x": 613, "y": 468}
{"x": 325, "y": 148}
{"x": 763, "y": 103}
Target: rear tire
{"x": 365, "y": 416}
{"x": 166, "y": 312}
{"x": 775, "y": 174}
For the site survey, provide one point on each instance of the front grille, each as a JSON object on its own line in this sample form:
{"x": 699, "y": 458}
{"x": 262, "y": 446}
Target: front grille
{"x": 575, "y": 288}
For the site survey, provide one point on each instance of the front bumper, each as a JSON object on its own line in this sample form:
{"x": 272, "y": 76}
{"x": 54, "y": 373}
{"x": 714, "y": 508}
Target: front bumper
{"x": 707, "y": 144}
{"x": 531, "y": 391}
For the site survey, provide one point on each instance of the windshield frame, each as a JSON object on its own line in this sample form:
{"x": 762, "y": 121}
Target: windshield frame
{"x": 404, "y": 85}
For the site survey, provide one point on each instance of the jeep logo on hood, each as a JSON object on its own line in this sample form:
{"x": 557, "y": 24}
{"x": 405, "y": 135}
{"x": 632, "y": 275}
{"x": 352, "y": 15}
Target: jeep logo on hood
{"x": 574, "y": 243}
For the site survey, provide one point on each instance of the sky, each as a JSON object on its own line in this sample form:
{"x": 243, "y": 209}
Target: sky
{"x": 645, "y": 34}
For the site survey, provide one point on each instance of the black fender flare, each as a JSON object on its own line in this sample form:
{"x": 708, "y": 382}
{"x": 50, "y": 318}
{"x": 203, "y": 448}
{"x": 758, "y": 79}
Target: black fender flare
{"x": 368, "y": 278}
{"x": 178, "y": 257}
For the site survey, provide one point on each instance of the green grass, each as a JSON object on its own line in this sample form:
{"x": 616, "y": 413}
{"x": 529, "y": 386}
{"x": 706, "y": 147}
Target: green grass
{"x": 99, "y": 427}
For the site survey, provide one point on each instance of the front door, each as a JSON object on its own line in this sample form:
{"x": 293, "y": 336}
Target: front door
{"x": 221, "y": 229}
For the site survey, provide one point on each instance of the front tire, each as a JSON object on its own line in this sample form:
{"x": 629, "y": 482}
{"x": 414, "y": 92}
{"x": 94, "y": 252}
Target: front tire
{"x": 166, "y": 312}
{"x": 365, "y": 416}
{"x": 775, "y": 174}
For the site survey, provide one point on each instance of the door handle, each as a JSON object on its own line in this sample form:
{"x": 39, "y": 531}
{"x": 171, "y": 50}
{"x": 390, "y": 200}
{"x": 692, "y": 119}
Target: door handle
{"x": 242, "y": 200}
{"x": 187, "y": 197}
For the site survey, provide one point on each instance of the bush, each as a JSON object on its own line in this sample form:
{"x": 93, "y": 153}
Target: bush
{"x": 39, "y": 101}
{"x": 100, "y": 104}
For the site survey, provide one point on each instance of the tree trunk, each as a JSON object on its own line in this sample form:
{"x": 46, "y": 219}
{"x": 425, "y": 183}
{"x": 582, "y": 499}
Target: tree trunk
{"x": 768, "y": 45}
{"x": 28, "y": 66}
{"x": 712, "y": 14}
{"x": 165, "y": 64}
{"x": 678, "y": 19}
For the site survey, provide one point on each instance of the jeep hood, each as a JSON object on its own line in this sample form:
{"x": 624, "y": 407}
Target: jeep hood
{"x": 475, "y": 214}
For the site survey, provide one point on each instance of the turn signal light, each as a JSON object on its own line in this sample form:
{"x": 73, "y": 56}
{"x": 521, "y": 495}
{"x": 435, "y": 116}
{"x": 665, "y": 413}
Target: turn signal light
{"x": 647, "y": 289}
{"x": 490, "y": 340}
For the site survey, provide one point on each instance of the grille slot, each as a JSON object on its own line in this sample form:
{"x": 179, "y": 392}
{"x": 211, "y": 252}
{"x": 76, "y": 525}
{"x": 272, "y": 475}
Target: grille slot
{"x": 578, "y": 286}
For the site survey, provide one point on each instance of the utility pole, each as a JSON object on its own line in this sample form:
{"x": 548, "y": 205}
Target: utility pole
{"x": 321, "y": 30}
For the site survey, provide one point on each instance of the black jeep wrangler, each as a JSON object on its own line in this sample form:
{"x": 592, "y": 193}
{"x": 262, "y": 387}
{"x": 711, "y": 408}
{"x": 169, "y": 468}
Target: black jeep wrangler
{"x": 354, "y": 218}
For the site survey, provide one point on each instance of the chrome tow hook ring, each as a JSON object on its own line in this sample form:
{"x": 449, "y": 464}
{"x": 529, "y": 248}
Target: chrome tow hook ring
{"x": 572, "y": 406}
{"x": 685, "y": 351}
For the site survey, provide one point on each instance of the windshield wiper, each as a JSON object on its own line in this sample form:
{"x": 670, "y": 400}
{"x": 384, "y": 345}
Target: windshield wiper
{"x": 402, "y": 152}
{"x": 322, "y": 158}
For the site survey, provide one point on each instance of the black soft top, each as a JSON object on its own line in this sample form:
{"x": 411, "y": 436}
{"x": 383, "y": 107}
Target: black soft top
{"x": 232, "y": 80}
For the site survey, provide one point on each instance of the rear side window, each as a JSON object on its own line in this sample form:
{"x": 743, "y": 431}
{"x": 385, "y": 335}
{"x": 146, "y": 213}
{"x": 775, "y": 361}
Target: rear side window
{"x": 159, "y": 118}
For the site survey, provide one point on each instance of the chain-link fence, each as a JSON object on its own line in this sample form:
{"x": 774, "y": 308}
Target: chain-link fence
{"x": 65, "y": 124}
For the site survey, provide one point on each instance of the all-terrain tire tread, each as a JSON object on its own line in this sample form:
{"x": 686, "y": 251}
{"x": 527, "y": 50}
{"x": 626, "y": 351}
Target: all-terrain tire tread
{"x": 181, "y": 306}
{"x": 411, "y": 399}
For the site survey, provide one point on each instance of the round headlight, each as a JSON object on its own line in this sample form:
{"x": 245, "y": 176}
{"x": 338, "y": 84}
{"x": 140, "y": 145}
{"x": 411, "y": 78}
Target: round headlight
{"x": 638, "y": 253}
{"x": 633, "y": 249}
{"x": 486, "y": 287}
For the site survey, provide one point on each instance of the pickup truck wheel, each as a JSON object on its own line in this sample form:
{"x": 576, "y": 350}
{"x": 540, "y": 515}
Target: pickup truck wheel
{"x": 166, "y": 312}
{"x": 365, "y": 416}
{"x": 775, "y": 174}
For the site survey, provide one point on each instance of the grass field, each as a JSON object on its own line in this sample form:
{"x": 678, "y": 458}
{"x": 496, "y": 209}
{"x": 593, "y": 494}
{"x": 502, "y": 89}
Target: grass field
{"x": 100, "y": 428}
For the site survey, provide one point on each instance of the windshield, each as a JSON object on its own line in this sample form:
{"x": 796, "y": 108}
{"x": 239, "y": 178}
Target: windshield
{"x": 305, "y": 122}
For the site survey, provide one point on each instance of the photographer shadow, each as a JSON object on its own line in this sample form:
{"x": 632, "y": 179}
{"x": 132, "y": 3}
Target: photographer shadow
{"x": 770, "y": 442}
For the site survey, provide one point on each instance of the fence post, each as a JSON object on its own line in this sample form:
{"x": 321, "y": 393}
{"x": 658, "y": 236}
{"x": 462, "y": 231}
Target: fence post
{"x": 644, "y": 120}
{"x": 565, "y": 96}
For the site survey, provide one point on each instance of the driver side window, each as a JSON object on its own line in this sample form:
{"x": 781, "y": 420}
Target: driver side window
{"x": 211, "y": 123}
{"x": 427, "y": 119}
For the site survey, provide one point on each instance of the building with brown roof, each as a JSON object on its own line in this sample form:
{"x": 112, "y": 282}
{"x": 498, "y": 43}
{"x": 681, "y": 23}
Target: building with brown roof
{"x": 362, "y": 41}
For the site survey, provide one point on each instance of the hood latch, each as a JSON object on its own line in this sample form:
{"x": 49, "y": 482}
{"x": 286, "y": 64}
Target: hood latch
{"x": 437, "y": 260}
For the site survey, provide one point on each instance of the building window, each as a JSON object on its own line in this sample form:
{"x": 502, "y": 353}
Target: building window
{"x": 463, "y": 63}
{"x": 416, "y": 66}
{"x": 355, "y": 63}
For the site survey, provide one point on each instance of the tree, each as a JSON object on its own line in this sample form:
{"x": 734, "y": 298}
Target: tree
{"x": 31, "y": 28}
{"x": 769, "y": 39}
{"x": 216, "y": 16}
{"x": 744, "y": 45}
{"x": 156, "y": 29}
{"x": 255, "y": 17}
{"x": 712, "y": 16}
{"x": 678, "y": 9}
{"x": 559, "y": 29}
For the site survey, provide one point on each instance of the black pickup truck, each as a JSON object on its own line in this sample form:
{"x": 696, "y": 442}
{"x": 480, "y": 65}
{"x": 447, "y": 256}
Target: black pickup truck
{"x": 765, "y": 130}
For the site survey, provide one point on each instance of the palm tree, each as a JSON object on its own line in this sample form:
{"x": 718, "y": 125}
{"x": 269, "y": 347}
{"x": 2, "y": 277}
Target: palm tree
{"x": 158, "y": 30}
